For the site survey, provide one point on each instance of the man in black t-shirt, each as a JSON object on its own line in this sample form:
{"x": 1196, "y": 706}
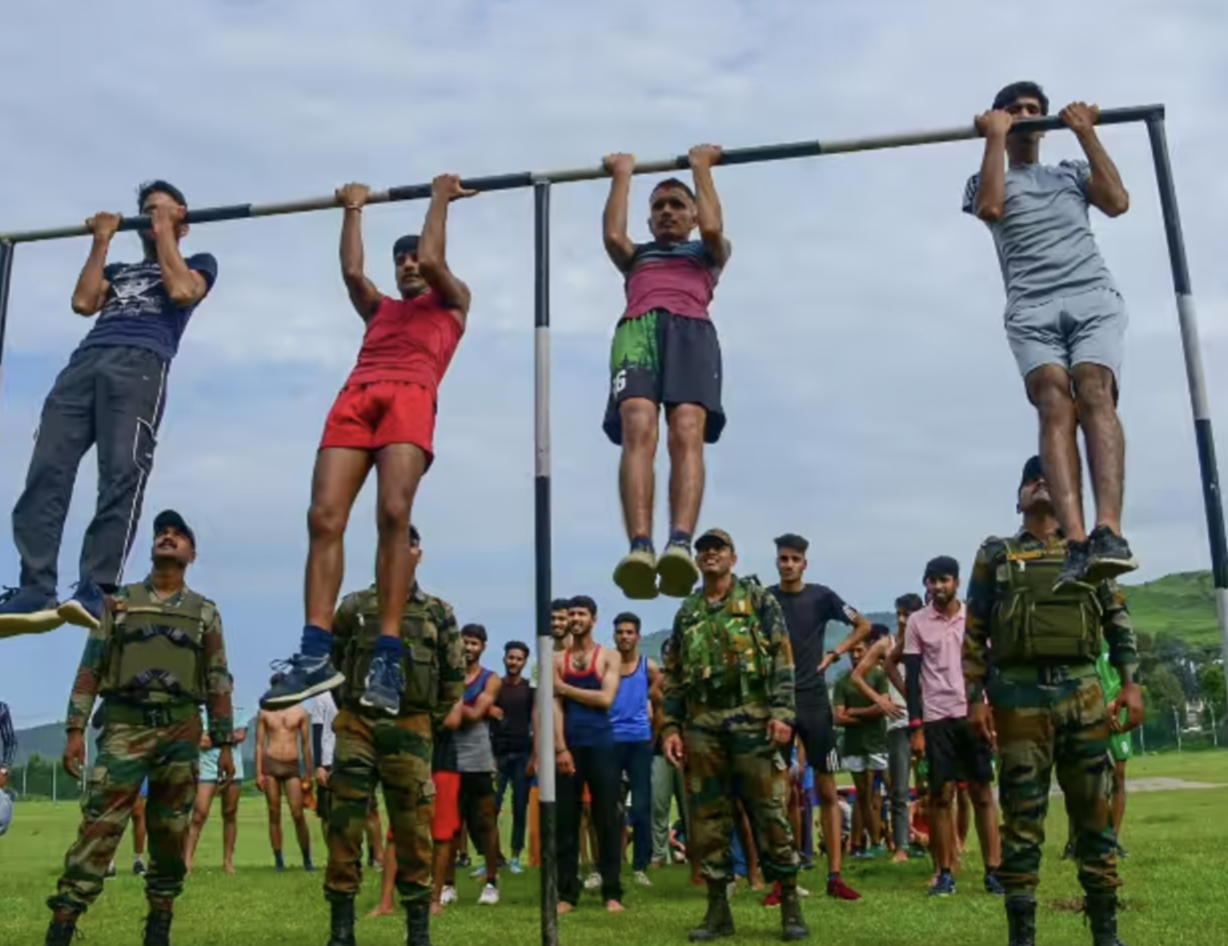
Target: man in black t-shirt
{"x": 808, "y": 609}
{"x": 509, "y": 736}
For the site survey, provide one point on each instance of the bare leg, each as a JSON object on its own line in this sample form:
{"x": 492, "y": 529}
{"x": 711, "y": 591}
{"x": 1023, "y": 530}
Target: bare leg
{"x": 1096, "y": 398}
{"x": 139, "y": 831}
{"x": 686, "y": 465}
{"x": 1049, "y": 390}
{"x": 635, "y": 471}
{"x": 230, "y": 825}
{"x": 272, "y": 794}
{"x": 439, "y": 871}
{"x": 200, "y": 814}
{"x": 399, "y": 468}
{"x": 294, "y": 797}
{"x": 338, "y": 477}
{"x": 829, "y": 820}
{"x": 963, "y": 820}
{"x": 388, "y": 884}
{"x": 987, "y": 825}
{"x": 375, "y": 837}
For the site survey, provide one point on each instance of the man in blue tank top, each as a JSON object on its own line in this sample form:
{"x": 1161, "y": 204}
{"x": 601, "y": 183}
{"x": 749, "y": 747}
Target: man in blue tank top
{"x": 639, "y": 689}
{"x": 586, "y": 678}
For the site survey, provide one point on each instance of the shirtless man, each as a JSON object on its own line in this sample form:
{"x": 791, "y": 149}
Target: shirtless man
{"x": 278, "y": 735}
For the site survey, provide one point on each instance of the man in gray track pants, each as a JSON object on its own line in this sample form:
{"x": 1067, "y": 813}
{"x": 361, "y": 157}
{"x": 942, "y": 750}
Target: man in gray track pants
{"x": 111, "y": 395}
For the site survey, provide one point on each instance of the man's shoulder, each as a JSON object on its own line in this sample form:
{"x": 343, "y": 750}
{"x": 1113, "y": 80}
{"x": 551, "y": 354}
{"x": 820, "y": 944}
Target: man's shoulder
{"x": 432, "y": 604}
{"x": 202, "y": 262}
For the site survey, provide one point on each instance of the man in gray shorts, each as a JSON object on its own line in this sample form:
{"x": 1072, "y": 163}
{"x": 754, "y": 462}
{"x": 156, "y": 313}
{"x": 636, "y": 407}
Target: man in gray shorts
{"x": 1065, "y": 320}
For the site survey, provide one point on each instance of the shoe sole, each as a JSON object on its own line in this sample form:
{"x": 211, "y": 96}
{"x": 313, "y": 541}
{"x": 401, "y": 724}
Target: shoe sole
{"x": 293, "y": 699}
{"x": 1104, "y": 569}
{"x": 369, "y": 704}
{"x": 36, "y": 622}
{"x": 678, "y": 575}
{"x": 70, "y": 612}
{"x": 638, "y": 580}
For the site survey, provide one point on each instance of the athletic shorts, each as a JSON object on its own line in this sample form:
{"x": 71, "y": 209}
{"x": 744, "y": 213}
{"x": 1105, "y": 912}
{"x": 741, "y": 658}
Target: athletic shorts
{"x": 955, "y": 754}
{"x": 1121, "y": 746}
{"x": 816, "y": 730}
{"x": 670, "y": 360}
{"x": 1087, "y": 328}
{"x": 446, "y": 821}
{"x": 382, "y": 413}
{"x": 281, "y": 771}
{"x": 875, "y": 762}
{"x": 208, "y": 765}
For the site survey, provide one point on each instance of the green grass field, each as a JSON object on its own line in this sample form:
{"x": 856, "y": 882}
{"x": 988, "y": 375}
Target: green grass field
{"x": 1175, "y": 881}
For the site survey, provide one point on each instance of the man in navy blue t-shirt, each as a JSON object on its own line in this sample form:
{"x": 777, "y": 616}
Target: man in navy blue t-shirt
{"x": 111, "y": 395}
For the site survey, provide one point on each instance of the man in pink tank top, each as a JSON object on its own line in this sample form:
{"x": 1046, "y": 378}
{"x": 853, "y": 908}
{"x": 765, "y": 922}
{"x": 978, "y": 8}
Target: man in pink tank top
{"x": 665, "y": 353}
{"x": 384, "y": 418}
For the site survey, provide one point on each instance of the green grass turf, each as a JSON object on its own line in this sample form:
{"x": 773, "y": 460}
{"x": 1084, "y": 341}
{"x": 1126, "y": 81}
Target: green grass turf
{"x": 1175, "y": 879}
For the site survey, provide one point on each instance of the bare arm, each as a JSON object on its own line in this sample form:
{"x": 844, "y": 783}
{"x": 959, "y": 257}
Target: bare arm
{"x": 618, "y": 244}
{"x": 304, "y": 731}
{"x": 708, "y": 204}
{"x": 432, "y": 256}
{"x": 656, "y": 683}
{"x": 892, "y": 665}
{"x": 990, "y": 202}
{"x": 603, "y": 698}
{"x": 1105, "y": 189}
{"x": 262, "y": 730}
{"x": 364, "y": 295}
{"x": 560, "y": 739}
{"x": 92, "y": 285}
{"x": 486, "y": 699}
{"x": 184, "y": 286}
{"x": 876, "y": 652}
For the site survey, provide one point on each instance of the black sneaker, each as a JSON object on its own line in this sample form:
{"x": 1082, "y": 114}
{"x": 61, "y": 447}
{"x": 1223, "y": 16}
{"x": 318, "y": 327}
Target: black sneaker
{"x": 1074, "y": 568}
{"x": 1109, "y": 555}
{"x": 300, "y": 677}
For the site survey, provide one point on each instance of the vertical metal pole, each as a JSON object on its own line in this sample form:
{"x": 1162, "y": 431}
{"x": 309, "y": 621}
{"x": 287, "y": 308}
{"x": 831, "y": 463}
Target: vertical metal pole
{"x": 541, "y": 509}
{"x": 6, "y": 276}
{"x": 1205, "y": 440}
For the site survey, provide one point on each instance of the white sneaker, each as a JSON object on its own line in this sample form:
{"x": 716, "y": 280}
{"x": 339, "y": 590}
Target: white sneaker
{"x": 593, "y": 882}
{"x": 642, "y": 879}
{"x": 490, "y": 896}
{"x": 802, "y": 891}
{"x": 447, "y": 895}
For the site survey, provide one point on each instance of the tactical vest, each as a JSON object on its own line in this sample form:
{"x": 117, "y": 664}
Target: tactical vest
{"x": 421, "y": 620}
{"x": 723, "y": 653}
{"x": 157, "y": 647}
{"x": 1033, "y": 624}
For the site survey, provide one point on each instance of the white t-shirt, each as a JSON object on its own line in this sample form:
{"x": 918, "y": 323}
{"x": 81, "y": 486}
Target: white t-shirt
{"x": 323, "y": 710}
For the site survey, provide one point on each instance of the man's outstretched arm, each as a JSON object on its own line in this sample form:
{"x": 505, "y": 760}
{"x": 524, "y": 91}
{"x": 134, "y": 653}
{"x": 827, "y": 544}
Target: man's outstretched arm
{"x": 985, "y": 196}
{"x": 708, "y": 204}
{"x": 432, "y": 255}
{"x": 618, "y": 244}
{"x": 92, "y": 285}
{"x": 365, "y": 297}
{"x": 1104, "y": 187}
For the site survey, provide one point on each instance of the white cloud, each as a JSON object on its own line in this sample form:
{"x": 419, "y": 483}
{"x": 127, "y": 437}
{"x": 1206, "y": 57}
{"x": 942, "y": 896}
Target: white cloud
{"x": 873, "y": 402}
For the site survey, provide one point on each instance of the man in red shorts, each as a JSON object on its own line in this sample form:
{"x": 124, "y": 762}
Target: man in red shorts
{"x": 384, "y": 417}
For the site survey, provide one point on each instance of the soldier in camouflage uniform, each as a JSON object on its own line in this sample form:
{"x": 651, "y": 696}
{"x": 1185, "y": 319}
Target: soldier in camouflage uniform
{"x": 156, "y": 656}
{"x": 729, "y": 712}
{"x": 373, "y": 748}
{"x": 1033, "y": 649}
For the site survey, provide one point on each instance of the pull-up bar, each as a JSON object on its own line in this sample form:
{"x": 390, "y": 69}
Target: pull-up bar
{"x": 499, "y": 182}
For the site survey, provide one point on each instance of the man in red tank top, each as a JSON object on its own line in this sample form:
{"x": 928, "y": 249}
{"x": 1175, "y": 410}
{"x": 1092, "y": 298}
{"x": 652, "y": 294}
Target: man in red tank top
{"x": 384, "y": 418}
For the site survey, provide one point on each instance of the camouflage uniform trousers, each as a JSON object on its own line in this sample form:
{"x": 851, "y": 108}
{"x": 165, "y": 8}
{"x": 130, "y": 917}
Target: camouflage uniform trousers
{"x": 728, "y": 746}
{"x": 397, "y": 754}
{"x": 170, "y": 757}
{"x": 1063, "y": 726}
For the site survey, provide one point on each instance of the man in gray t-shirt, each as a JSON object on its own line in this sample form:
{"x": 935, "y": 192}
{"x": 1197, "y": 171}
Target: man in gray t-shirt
{"x": 1065, "y": 320}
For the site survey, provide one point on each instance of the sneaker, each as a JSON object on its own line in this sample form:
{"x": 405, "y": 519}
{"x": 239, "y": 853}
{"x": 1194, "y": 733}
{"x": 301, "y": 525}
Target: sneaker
{"x": 111, "y": 869}
{"x": 593, "y": 882}
{"x": 490, "y": 896}
{"x": 944, "y": 886}
{"x": 636, "y": 575}
{"x": 463, "y": 861}
{"x": 138, "y": 867}
{"x": 301, "y": 677}
{"x": 642, "y": 879}
{"x": 862, "y": 854}
{"x": 993, "y": 885}
{"x": 1074, "y": 568}
{"x": 1122, "y": 852}
{"x": 772, "y": 899}
{"x": 806, "y": 864}
{"x": 1069, "y": 853}
{"x": 1108, "y": 555}
{"x": 84, "y": 608}
{"x": 916, "y": 851}
{"x": 677, "y": 570}
{"x": 385, "y": 684}
{"x": 478, "y": 872}
{"x": 837, "y": 888}
{"x": 447, "y": 895}
{"x": 514, "y": 866}
{"x": 804, "y": 893}
{"x": 27, "y": 611}
{"x": 877, "y": 851}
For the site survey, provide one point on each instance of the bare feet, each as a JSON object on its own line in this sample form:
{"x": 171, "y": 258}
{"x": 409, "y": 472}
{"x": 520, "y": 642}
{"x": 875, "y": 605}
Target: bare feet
{"x": 228, "y": 868}
{"x": 384, "y": 909}
{"x": 901, "y": 857}
{"x": 564, "y": 907}
{"x": 613, "y": 906}
{"x": 436, "y": 908}
{"x": 697, "y": 880}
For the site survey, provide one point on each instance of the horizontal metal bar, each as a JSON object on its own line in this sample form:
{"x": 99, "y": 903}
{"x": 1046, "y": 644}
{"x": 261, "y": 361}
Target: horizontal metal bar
{"x": 497, "y": 182}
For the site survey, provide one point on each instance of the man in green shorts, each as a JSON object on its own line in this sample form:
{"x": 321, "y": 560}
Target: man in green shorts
{"x": 665, "y": 353}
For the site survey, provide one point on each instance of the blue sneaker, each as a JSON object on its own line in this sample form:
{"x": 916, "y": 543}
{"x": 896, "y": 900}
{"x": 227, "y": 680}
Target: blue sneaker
{"x": 84, "y": 608}
{"x": 514, "y": 866}
{"x": 993, "y": 885}
{"x": 385, "y": 684}
{"x": 944, "y": 886}
{"x": 298, "y": 679}
{"x": 27, "y": 611}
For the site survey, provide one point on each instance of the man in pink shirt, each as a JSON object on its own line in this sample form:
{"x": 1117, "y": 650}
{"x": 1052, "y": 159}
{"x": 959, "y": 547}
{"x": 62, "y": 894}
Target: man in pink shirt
{"x": 938, "y": 718}
{"x": 665, "y": 353}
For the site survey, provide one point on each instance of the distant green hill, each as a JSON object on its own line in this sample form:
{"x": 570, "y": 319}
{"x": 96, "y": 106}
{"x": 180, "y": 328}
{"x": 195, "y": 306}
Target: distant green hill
{"x": 1182, "y": 605}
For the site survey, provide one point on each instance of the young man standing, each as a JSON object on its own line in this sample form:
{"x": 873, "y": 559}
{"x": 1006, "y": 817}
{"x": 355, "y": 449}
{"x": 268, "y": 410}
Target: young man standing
{"x": 668, "y": 783}
{"x": 112, "y": 395}
{"x": 208, "y": 787}
{"x": 1065, "y": 319}
{"x": 639, "y": 689}
{"x": 865, "y": 742}
{"x": 284, "y": 767}
{"x": 586, "y": 678}
{"x": 384, "y": 418}
{"x": 510, "y": 738}
{"x": 933, "y": 642}
{"x": 475, "y": 759}
{"x": 808, "y": 609}
{"x": 665, "y": 354}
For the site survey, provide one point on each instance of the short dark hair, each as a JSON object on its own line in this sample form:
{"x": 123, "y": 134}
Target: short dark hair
{"x": 878, "y": 632}
{"x": 941, "y": 566}
{"x": 407, "y": 244}
{"x": 585, "y": 602}
{"x": 791, "y": 541}
{"x": 909, "y": 603}
{"x": 476, "y": 631}
{"x": 674, "y": 183}
{"x": 626, "y": 617}
{"x": 560, "y": 604}
{"x": 1018, "y": 90}
{"x": 667, "y": 645}
{"x": 516, "y": 645}
{"x": 159, "y": 186}
{"x": 415, "y": 538}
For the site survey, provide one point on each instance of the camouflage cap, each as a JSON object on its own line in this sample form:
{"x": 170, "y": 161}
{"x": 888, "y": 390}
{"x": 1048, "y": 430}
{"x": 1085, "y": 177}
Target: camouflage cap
{"x": 713, "y": 538}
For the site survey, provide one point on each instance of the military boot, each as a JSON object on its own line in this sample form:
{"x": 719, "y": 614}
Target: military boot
{"x": 158, "y": 926}
{"x": 1101, "y": 911}
{"x": 1021, "y": 917}
{"x": 419, "y": 924}
{"x": 791, "y": 923}
{"x": 342, "y": 922}
{"x": 718, "y": 921}
{"x": 61, "y": 931}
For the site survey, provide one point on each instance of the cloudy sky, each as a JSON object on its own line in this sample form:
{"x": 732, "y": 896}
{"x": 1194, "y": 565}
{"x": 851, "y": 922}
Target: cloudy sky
{"x": 872, "y": 400}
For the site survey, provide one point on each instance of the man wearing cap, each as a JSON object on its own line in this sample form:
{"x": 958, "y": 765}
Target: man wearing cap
{"x": 373, "y": 749}
{"x": 1033, "y": 651}
{"x": 808, "y": 610}
{"x": 728, "y": 714}
{"x": 384, "y": 418}
{"x": 1065, "y": 319}
{"x": 155, "y": 657}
